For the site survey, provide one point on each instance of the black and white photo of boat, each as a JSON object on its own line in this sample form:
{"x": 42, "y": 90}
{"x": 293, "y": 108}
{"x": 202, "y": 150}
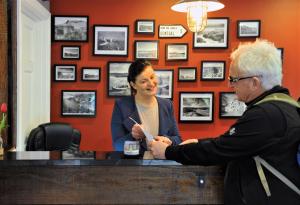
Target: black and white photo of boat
{"x": 70, "y": 52}
{"x": 90, "y": 74}
{"x": 146, "y": 49}
{"x": 118, "y": 85}
{"x": 65, "y": 72}
{"x": 177, "y": 51}
{"x": 68, "y": 28}
{"x": 248, "y": 28}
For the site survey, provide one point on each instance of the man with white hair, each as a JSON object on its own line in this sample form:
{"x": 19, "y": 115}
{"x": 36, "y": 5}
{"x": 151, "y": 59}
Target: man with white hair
{"x": 264, "y": 139}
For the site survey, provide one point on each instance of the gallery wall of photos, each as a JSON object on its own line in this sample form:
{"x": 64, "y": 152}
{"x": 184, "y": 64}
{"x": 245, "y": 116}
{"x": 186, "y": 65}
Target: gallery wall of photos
{"x": 94, "y": 42}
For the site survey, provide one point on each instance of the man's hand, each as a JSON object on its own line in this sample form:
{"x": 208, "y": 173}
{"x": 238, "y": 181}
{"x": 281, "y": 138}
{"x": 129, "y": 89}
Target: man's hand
{"x": 158, "y": 149}
{"x": 163, "y": 139}
{"x": 137, "y": 132}
{"x": 189, "y": 141}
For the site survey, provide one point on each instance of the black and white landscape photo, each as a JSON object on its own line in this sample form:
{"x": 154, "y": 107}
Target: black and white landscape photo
{"x": 111, "y": 40}
{"x": 145, "y": 26}
{"x": 117, "y": 79}
{"x": 65, "y": 73}
{"x": 187, "y": 74}
{"x": 146, "y": 50}
{"x": 165, "y": 83}
{"x": 212, "y": 70}
{"x": 90, "y": 74}
{"x": 248, "y": 28}
{"x": 177, "y": 51}
{"x": 196, "y": 107}
{"x": 70, "y": 28}
{"x": 215, "y": 34}
{"x": 230, "y": 107}
{"x": 78, "y": 103}
{"x": 70, "y": 52}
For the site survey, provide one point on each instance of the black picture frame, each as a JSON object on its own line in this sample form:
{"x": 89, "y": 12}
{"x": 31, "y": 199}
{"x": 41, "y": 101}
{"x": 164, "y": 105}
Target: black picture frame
{"x": 117, "y": 84}
{"x": 78, "y": 103}
{"x": 187, "y": 74}
{"x": 146, "y": 49}
{"x": 195, "y": 107}
{"x": 213, "y": 70}
{"x": 229, "y": 106}
{"x": 70, "y": 28}
{"x": 248, "y": 28}
{"x": 217, "y": 31}
{"x": 281, "y": 53}
{"x": 145, "y": 26}
{"x": 165, "y": 83}
{"x": 70, "y": 52}
{"x": 91, "y": 74}
{"x": 177, "y": 51}
{"x": 110, "y": 40}
{"x": 64, "y": 72}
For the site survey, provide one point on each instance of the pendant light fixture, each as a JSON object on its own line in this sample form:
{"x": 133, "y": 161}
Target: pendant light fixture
{"x": 197, "y": 12}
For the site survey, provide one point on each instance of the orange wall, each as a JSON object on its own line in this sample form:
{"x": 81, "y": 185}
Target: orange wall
{"x": 279, "y": 23}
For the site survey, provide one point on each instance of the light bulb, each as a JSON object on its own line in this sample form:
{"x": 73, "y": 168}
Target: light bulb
{"x": 197, "y": 17}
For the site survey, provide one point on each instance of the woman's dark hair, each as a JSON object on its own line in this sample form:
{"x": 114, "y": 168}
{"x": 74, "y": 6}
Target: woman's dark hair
{"x": 136, "y": 68}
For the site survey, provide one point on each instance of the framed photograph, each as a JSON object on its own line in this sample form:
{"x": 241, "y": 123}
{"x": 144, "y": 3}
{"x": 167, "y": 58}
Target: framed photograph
{"x": 90, "y": 74}
{"x": 248, "y": 28}
{"x": 145, "y": 26}
{"x": 187, "y": 74}
{"x": 230, "y": 107}
{"x": 65, "y": 72}
{"x": 70, "y": 52}
{"x": 165, "y": 83}
{"x": 196, "y": 106}
{"x": 70, "y": 28}
{"x": 215, "y": 34}
{"x": 281, "y": 52}
{"x": 111, "y": 40}
{"x": 78, "y": 103}
{"x": 146, "y": 49}
{"x": 213, "y": 70}
{"x": 117, "y": 78}
{"x": 177, "y": 52}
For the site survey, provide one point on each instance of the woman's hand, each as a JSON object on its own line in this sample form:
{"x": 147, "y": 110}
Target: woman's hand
{"x": 137, "y": 132}
{"x": 163, "y": 139}
{"x": 158, "y": 149}
{"x": 189, "y": 141}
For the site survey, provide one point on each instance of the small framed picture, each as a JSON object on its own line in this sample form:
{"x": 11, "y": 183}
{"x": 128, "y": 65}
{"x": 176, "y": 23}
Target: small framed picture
{"x": 165, "y": 83}
{"x": 111, "y": 40}
{"x": 70, "y": 52}
{"x": 196, "y": 106}
{"x": 146, "y": 49}
{"x": 78, "y": 103}
{"x": 187, "y": 74}
{"x": 281, "y": 52}
{"x": 70, "y": 28}
{"x": 213, "y": 70}
{"x": 215, "y": 34}
{"x": 230, "y": 107}
{"x": 248, "y": 28}
{"x": 145, "y": 26}
{"x": 117, "y": 78}
{"x": 177, "y": 52}
{"x": 90, "y": 74}
{"x": 66, "y": 73}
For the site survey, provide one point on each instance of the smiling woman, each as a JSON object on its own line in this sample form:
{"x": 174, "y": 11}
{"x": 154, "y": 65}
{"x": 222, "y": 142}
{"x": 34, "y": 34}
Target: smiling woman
{"x": 154, "y": 114}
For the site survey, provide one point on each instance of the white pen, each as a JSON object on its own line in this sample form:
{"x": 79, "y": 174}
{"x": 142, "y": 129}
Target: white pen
{"x": 134, "y": 121}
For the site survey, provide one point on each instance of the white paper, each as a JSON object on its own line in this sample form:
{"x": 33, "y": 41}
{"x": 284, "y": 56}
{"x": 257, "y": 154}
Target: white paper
{"x": 149, "y": 137}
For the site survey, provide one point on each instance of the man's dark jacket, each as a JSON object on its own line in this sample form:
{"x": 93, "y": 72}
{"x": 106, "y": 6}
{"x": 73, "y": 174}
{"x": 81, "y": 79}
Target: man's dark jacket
{"x": 271, "y": 130}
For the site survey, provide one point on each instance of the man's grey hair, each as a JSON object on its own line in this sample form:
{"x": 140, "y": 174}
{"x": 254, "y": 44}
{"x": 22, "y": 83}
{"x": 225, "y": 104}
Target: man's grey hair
{"x": 260, "y": 58}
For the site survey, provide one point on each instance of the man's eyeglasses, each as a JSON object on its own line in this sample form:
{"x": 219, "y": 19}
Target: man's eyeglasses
{"x": 236, "y": 79}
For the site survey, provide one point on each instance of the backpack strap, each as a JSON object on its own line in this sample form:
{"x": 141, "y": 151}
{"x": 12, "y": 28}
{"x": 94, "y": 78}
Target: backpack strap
{"x": 260, "y": 161}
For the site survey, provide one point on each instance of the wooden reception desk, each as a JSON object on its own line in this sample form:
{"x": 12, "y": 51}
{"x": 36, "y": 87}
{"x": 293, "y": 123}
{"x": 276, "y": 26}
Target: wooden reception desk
{"x": 44, "y": 178}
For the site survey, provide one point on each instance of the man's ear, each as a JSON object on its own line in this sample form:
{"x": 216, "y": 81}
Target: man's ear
{"x": 256, "y": 82}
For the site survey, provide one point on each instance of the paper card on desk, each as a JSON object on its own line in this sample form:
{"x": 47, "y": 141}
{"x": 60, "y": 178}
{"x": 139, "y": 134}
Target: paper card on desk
{"x": 70, "y": 154}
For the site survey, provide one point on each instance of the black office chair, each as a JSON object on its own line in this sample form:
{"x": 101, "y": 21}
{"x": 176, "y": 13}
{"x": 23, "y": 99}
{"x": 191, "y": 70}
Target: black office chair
{"x": 53, "y": 136}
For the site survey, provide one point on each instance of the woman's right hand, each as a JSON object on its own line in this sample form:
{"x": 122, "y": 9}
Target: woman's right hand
{"x": 137, "y": 132}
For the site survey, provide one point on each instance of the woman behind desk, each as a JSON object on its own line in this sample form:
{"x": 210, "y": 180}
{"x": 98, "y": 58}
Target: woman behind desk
{"x": 155, "y": 114}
